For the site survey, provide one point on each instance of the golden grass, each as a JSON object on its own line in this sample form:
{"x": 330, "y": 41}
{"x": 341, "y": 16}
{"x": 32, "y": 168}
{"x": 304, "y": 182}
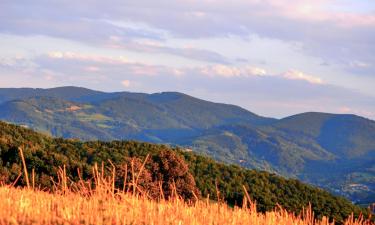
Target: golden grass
{"x": 27, "y": 206}
{"x": 79, "y": 203}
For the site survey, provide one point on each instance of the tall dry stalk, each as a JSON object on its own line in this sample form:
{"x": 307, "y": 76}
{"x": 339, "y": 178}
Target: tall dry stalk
{"x": 33, "y": 178}
{"x": 24, "y": 167}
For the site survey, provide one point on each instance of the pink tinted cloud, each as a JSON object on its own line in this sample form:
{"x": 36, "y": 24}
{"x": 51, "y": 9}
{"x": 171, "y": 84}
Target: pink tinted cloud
{"x": 232, "y": 71}
{"x": 349, "y": 110}
{"x": 87, "y": 57}
{"x": 299, "y": 75}
{"x": 97, "y": 63}
{"x": 320, "y": 11}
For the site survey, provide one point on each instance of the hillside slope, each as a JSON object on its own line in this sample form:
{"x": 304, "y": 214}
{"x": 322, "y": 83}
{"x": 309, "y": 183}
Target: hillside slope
{"x": 336, "y": 152}
{"x": 45, "y": 155}
{"x": 302, "y": 146}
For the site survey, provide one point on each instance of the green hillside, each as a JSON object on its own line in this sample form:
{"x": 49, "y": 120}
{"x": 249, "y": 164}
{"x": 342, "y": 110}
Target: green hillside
{"x": 45, "y": 154}
{"x": 302, "y": 146}
{"x": 304, "y": 153}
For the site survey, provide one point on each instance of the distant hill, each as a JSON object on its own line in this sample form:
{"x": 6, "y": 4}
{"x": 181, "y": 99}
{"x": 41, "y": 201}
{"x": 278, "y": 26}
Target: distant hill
{"x": 153, "y": 117}
{"x": 336, "y": 152}
{"x": 45, "y": 155}
{"x": 67, "y": 93}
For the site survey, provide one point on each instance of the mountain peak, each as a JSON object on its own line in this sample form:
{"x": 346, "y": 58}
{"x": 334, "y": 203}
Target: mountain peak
{"x": 166, "y": 96}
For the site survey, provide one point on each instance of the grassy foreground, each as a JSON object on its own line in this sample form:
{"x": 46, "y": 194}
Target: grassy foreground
{"x": 27, "y": 206}
{"x": 98, "y": 201}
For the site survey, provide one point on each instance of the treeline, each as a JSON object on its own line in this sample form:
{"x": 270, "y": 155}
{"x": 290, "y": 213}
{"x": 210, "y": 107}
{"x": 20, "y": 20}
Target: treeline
{"x": 190, "y": 174}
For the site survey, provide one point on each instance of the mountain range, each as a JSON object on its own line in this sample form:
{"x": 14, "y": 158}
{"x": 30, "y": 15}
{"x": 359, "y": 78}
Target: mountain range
{"x": 333, "y": 151}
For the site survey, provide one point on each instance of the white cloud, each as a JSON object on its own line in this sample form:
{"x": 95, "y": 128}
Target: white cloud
{"x": 88, "y": 57}
{"x": 298, "y": 75}
{"x": 81, "y": 64}
{"x": 331, "y": 30}
{"x": 96, "y": 63}
{"x": 253, "y": 71}
{"x": 232, "y": 71}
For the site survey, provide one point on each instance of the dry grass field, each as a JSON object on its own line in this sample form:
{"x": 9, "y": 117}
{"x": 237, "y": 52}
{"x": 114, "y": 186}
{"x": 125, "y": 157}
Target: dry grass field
{"x": 98, "y": 202}
{"x": 27, "y": 206}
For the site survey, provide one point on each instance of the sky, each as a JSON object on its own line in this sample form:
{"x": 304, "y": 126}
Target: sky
{"x": 273, "y": 57}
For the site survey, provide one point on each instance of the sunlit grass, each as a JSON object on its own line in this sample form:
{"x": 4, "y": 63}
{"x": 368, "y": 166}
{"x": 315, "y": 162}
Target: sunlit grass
{"x": 99, "y": 202}
{"x": 26, "y": 206}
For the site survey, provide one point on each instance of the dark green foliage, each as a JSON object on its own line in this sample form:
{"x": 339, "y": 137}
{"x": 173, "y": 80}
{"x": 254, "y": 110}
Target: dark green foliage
{"x": 169, "y": 166}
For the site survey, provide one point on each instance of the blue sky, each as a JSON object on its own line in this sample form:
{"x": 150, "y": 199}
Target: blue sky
{"x": 273, "y": 57}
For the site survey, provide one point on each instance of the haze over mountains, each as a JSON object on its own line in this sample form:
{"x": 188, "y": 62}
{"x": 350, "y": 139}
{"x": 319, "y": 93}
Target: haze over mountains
{"x": 333, "y": 151}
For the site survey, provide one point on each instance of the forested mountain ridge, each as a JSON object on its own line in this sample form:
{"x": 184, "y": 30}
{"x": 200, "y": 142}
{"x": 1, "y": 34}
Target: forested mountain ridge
{"x": 302, "y": 146}
{"x": 45, "y": 155}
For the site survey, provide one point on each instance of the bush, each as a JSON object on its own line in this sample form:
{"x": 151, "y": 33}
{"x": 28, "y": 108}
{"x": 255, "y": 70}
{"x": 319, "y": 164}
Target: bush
{"x": 166, "y": 171}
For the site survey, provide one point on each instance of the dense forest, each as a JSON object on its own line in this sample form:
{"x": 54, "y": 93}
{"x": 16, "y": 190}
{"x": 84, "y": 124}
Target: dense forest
{"x": 190, "y": 173}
